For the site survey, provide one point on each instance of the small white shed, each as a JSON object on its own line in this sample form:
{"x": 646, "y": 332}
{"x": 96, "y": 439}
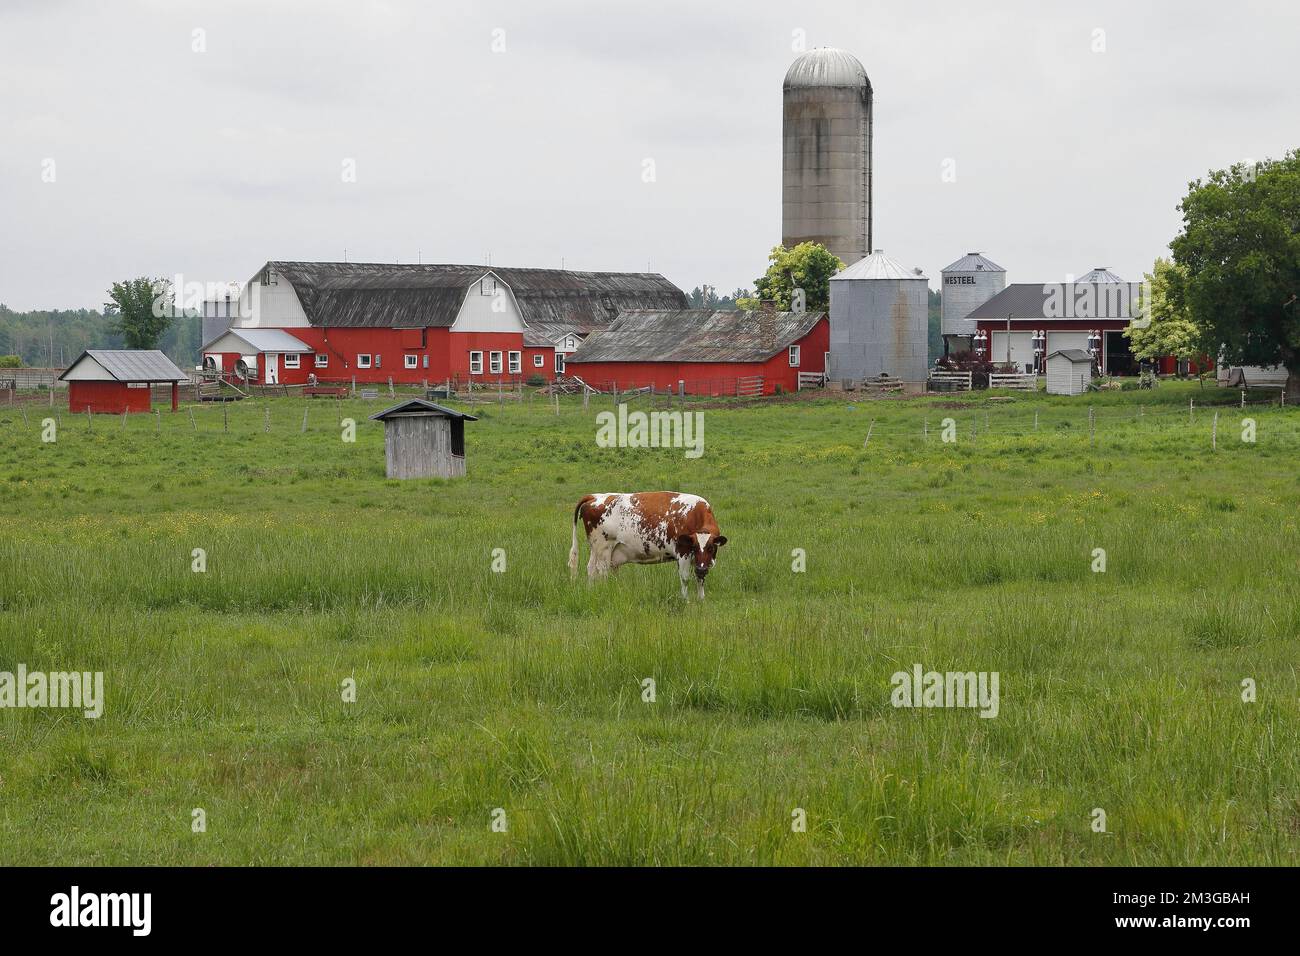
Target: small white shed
{"x": 1068, "y": 372}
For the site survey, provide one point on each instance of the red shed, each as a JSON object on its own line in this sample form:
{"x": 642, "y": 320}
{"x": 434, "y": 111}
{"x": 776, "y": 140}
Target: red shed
{"x": 119, "y": 380}
{"x": 710, "y": 352}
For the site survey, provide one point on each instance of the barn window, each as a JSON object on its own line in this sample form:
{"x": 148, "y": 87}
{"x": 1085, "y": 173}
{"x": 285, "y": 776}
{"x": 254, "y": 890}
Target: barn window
{"x": 476, "y": 363}
{"x": 271, "y": 278}
{"x": 539, "y": 360}
{"x": 559, "y": 363}
{"x": 494, "y": 363}
{"x": 412, "y": 361}
{"x": 516, "y": 361}
{"x": 488, "y": 286}
{"x": 426, "y": 361}
{"x": 377, "y": 360}
{"x": 322, "y": 360}
{"x": 291, "y": 360}
{"x": 794, "y": 356}
{"x": 363, "y": 361}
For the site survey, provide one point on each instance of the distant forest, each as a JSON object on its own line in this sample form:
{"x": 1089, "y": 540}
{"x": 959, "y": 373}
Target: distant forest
{"x": 54, "y": 339}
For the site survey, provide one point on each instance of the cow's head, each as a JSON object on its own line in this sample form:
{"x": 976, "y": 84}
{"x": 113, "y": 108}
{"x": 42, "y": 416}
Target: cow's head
{"x": 702, "y": 548}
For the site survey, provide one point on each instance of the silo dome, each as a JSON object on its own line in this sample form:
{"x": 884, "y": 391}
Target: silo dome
{"x": 826, "y": 154}
{"x": 826, "y": 66}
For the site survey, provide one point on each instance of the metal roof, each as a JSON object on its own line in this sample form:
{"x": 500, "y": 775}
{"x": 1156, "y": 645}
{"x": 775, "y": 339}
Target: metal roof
{"x": 697, "y": 335}
{"x": 877, "y": 266}
{"x": 384, "y": 295}
{"x": 1041, "y": 302}
{"x": 129, "y": 365}
{"x": 973, "y": 262}
{"x": 1100, "y": 274}
{"x": 420, "y": 405}
{"x": 1074, "y": 355}
{"x": 826, "y": 66}
{"x": 264, "y": 340}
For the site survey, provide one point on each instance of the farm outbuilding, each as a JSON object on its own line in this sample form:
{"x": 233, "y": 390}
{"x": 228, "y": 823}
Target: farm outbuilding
{"x": 1068, "y": 372}
{"x": 114, "y": 381}
{"x": 424, "y": 440}
{"x": 416, "y": 324}
{"x": 707, "y": 352}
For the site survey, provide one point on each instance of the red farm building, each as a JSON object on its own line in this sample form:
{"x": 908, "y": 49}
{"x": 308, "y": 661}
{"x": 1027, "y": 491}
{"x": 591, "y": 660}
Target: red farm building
{"x": 338, "y": 321}
{"x": 707, "y": 352}
{"x": 1026, "y": 322}
{"x": 120, "y": 380}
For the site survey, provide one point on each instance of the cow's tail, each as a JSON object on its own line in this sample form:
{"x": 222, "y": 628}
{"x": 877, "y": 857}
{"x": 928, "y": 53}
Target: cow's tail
{"x": 573, "y": 551}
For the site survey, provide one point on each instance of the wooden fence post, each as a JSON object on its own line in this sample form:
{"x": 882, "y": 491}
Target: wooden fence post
{"x": 193, "y": 426}
{"x": 869, "y": 429}
{"x": 304, "y": 418}
{"x": 267, "y": 427}
{"x": 1092, "y": 427}
{"x": 89, "y": 426}
{"x": 225, "y": 416}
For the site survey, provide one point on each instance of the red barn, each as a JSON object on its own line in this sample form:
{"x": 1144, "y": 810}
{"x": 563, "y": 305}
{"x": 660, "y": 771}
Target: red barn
{"x": 119, "y": 380}
{"x": 709, "y": 352}
{"x": 417, "y": 323}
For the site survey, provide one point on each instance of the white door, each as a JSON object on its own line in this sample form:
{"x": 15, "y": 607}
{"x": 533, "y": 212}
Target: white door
{"x": 1022, "y": 349}
{"x": 272, "y": 368}
{"x": 1066, "y": 340}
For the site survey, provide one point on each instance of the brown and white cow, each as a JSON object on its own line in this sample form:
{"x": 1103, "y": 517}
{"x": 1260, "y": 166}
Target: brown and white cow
{"x": 648, "y": 527}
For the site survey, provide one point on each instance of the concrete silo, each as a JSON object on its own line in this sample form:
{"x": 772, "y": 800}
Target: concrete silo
{"x": 879, "y": 317}
{"x": 826, "y": 134}
{"x": 966, "y": 285}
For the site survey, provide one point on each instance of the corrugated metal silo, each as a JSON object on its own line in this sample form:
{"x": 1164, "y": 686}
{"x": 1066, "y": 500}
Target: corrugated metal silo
{"x": 966, "y": 285}
{"x": 879, "y": 318}
{"x": 826, "y": 133}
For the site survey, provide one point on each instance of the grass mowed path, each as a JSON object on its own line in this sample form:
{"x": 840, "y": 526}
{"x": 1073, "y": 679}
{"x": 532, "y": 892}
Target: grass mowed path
{"x": 520, "y": 690}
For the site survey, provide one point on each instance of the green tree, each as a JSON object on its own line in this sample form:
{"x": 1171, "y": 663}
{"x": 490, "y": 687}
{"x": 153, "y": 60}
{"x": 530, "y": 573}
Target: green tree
{"x": 1164, "y": 326}
{"x": 808, "y": 266}
{"x": 1240, "y": 249}
{"x": 140, "y": 310}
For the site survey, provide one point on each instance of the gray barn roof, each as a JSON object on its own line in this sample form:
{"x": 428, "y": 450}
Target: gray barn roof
{"x": 129, "y": 365}
{"x": 381, "y": 295}
{"x": 263, "y": 340}
{"x": 697, "y": 335}
{"x": 1029, "y": 300}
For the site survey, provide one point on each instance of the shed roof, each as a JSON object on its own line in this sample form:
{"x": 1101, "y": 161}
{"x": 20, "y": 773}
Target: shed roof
{"x": 1074, "y": 355}
{"x": 697, "y": 335}
{"x": 1041, "y": 301}
{"x": 264, "y": 340}
{"x": 420, "y": 406}
{"x": 128, "y": 365}
{"x": 877, "y": 266}
{"x": 386, "y": 295}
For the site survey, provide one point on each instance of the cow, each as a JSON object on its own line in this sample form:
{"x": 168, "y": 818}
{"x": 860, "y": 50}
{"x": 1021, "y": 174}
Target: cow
{"x": 648, "y": 527}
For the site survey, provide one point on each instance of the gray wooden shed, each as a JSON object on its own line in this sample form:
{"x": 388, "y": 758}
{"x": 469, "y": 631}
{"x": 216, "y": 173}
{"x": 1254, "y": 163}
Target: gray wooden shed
{"x": 1068, "y": 372}
{"x": 424, "y": 440}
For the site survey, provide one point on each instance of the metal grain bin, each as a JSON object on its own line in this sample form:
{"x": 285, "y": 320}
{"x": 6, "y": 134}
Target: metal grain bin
{"x": 966, "y": 285}
{"x": 826, "y": 149}
{"x": 424, "y": 440}
{"x": 879, "y": 321}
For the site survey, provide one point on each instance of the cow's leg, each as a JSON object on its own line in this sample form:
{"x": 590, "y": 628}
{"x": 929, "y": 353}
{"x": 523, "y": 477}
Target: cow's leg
{"x": 594, "y": 568}
{"x": 699, "y": 583}
{"x": 684, "y": 572}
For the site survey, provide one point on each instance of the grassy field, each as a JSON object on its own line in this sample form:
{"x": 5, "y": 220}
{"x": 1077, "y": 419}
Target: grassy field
{"x": 521, "y": 690}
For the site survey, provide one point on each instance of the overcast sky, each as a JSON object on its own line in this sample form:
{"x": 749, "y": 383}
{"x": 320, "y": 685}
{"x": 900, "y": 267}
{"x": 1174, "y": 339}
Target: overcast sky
{"x": 166, "y": 160}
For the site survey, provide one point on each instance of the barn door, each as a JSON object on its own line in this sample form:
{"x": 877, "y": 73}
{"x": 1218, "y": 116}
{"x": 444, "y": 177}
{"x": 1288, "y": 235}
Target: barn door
{"x": 272, "y": 368}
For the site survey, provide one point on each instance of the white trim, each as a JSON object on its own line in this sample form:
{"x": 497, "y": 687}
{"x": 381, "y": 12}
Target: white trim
{"x": 475, "y": 358}
{"x": 794, "y": 356}
{"x": 411, "y": 360}
{"x": 292, "y": 359}
{"x": 494, "y": 362}
{"x": 363, "y": 360}
{"x": 322, "y": 360}
{"x": 539, "y": 360}
{"x": 514, "y": 362}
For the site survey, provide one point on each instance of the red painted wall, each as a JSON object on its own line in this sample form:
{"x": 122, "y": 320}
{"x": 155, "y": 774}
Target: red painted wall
{"x": 712, "y": 378}
{"x": 107, "y": 397}
{"x": 447, "y": 355}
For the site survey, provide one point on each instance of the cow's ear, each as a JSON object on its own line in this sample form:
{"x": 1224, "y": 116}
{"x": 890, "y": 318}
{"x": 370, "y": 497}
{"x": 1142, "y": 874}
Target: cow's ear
{"x": 685, "y": 545}
{"x": 720, "y": 540}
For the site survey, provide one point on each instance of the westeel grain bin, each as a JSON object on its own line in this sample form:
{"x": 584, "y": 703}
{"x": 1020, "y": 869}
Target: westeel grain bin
{"x": 966, "y": 285}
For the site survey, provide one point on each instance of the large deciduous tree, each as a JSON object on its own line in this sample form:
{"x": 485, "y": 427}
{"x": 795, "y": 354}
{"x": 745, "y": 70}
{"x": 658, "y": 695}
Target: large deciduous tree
{"x": 1240, "y": 249}
{"x": 141, "y": 310}
{"x": 808, "y": 266}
